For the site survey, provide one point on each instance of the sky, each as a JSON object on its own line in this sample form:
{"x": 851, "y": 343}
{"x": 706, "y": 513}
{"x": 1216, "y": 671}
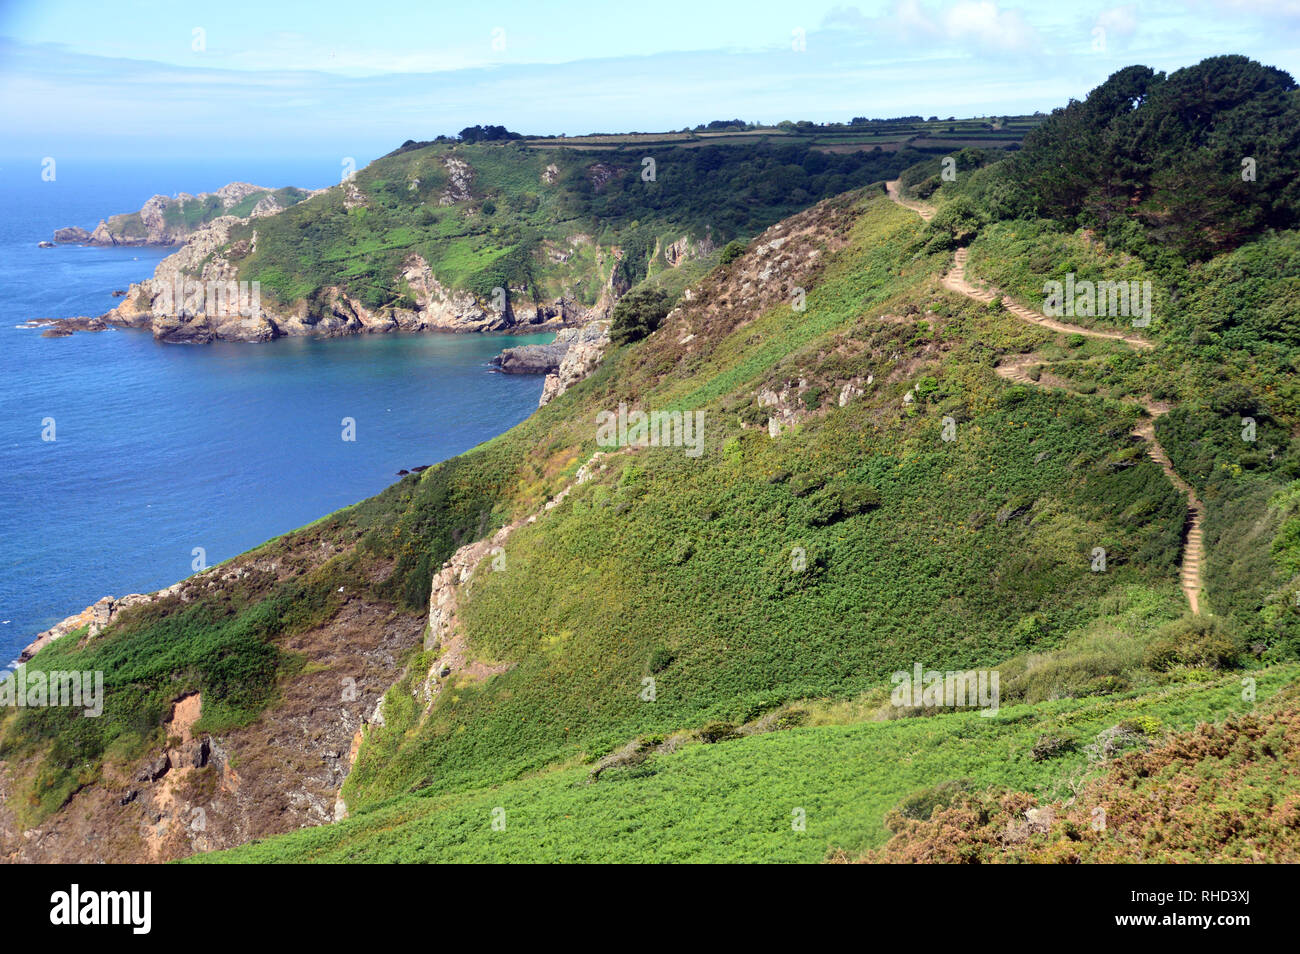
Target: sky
{"x": 355, "y": 79}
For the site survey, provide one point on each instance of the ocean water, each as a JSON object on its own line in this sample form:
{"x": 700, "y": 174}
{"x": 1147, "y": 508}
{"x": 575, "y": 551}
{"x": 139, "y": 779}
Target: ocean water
{"x": 160, "y": 449}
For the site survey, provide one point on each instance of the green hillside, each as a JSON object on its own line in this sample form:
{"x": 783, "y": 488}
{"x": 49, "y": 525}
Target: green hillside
{"x": 738, "y": 800}
{"x": 545, "y": 222}
{"x": 667, "y": 655}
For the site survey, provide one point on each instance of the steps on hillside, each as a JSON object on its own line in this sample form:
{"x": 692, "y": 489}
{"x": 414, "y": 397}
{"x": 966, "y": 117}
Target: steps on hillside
{"x": 955, "y": 280}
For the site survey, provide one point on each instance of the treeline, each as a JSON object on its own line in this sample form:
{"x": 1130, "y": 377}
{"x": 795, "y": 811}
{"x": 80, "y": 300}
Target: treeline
{"x": 1197, "y": 161}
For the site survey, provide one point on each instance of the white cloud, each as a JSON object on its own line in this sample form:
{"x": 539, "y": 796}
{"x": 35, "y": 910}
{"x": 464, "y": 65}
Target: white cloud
{"x": 1119, "y": 21}
{"x": 984, "y": 23}
{"x": 971, "y": 24}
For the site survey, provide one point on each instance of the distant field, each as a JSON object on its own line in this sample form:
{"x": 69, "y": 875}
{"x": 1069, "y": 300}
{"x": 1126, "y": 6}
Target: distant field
{"x": 945, "y": 134}
{"x": 953, "y": 142}
{"x": 845, "y": 147}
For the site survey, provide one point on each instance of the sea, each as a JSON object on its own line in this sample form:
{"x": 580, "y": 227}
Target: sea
{"x": 122, "y": 460}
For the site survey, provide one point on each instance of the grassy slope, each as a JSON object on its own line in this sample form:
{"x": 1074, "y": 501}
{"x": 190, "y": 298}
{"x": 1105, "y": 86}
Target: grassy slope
{"x": 692, "y": 557}
{"x": 733, "y": 801}
{"x": 663, "y": 557}
{"x": 976, "y": 555}
{"x": 1231, "y": 349}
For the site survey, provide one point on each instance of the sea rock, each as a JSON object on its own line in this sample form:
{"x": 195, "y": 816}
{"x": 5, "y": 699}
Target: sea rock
{"x": 532, "y": 359}
{"x": 72, "y": 235}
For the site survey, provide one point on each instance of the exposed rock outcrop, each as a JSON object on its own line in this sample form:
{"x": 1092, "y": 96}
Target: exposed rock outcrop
{"x": 459, "y": 179}
{"x": 686, "y": 247}
{"x": 165, "y": 220}
{"x": 586, "y": 346}
{"x": 95, "y": 617}
{"x": 533, "y": 358}
{"x": 550, "y": 358}
{"x": 195, "y": 790}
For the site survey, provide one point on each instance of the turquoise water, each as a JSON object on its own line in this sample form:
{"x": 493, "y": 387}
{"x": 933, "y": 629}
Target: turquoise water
{"x": 160, "y": 449}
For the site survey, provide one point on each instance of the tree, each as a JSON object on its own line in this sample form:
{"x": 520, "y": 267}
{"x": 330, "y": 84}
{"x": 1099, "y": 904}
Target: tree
{"x": 487, "y": 134}
{"x": 1169, "y": 153}
{"x": 637, "y": 314}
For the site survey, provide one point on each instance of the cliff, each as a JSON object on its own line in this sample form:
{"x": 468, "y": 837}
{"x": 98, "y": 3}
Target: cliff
{"x": 438, "y": 237}
{"x": 171, "y": 220}
{"x": 568, "y": 359}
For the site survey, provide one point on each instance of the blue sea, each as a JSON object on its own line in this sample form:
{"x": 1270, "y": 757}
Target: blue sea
{"x": 160, "y": 449}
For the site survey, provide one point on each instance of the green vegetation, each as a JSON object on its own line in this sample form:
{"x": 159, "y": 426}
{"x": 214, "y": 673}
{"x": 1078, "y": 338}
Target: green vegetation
{"x": 183, "y": 216}
{"x": 1171, "y": 168}
{"x": 912, "y": 507}
{"x": 1143, "y": 181}
{"x": 738, "y": 800}
{"x": 638, "y": 313}
{"x": 1221, "y": 793}
{"x": 490, "y": 212}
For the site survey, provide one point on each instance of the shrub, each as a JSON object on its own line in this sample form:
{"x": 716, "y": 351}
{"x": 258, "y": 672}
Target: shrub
{"x": 955, "y": 224}
{"x": 718, "y": 732}
{"x": 1197, "y": 642}
{"x": 638, "y": 314}
{"x": 1051, "y": 746}
{"x": 661, "y": 659}
{"x": 831, "y": 504}
{"x": 731, "y": 251}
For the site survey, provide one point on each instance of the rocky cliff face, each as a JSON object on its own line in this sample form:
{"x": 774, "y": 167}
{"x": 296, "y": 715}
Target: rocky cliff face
{"x": 196, "y": 791}
{"x": 164, "y": 220}
{"x": 195, "y": 297}
{"x": 199, "y": 295}
{"x": 585, "y": 347}
{"x": 572, "y": 356}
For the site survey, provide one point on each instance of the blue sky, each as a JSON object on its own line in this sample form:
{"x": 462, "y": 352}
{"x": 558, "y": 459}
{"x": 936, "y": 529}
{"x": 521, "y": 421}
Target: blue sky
{"x": 330, "y": 78}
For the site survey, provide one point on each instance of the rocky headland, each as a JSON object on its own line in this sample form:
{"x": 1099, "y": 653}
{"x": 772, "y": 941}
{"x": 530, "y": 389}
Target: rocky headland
{"x": 171, "y": 220}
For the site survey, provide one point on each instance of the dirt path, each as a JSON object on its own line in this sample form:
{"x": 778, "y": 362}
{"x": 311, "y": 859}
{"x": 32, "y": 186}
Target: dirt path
{"x": 925, "y": 211}
{"x": 956, "y": 281}
{"x": 1193, "y": 551}
{"x": 1015, "y": 370}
